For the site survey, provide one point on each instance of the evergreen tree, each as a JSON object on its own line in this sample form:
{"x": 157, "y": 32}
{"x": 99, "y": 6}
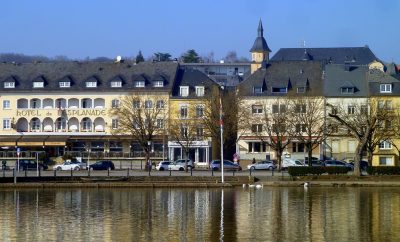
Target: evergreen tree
{"x": 190, "y": 57}
{"x": 139, "y": 57}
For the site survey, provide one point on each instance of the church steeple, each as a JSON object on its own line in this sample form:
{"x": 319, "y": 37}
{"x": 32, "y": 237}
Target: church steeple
{"x": 260, "y": 50}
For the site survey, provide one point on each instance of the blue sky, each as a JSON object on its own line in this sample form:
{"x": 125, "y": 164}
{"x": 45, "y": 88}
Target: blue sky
{"x": 82, "y": 28}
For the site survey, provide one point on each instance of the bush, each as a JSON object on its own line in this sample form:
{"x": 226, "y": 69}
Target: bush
{"x": 383, "y": 170}
{"x": 315, "y": 170}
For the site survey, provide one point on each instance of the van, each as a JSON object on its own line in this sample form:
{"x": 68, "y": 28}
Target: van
{"x": 290, "y": 162}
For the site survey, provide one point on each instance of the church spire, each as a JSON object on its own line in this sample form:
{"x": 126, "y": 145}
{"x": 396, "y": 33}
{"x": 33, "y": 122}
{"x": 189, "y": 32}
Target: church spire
{"x": 260, "y": 29}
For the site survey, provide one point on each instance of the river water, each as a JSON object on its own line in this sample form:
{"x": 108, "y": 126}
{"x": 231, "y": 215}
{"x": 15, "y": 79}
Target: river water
{"x": 173, "y": 214}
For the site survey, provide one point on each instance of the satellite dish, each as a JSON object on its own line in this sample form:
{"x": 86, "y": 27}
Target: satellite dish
{"x": 119, "y": 58}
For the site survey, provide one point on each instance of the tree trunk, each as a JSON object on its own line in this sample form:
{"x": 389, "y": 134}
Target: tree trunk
{"x": 309, "y": 153}
{"x": 186, "y": 161}
{"x": 279, "y": 157}
{"x": 358, "y": 158}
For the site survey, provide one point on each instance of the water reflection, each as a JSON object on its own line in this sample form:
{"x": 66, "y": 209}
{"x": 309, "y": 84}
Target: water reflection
{"x": 268, "y": 214}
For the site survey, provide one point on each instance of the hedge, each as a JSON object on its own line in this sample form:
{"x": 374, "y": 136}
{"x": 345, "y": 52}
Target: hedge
{"x": 383, "y": 170}
{"x": 316, "y": 170}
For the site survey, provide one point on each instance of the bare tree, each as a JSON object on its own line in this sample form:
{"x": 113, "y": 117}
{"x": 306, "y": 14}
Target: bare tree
{"x": 141, "y": 117}
{"x": 231, "y": 57}
{"x": 188, "y": 128}
{"x": 308, "y": 120}
{"x": 269, "y": 121}
{"x": 233, "y": 118}
{"x": 368, "y": 121}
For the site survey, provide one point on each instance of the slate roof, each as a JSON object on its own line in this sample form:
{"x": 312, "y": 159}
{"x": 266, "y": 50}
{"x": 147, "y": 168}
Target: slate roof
{"x": 192, "y": 78}
{"x": 376, "y": 78}
{"x": 260, "y": 45}
{"x": 281, "y": 74}
{"x": 80, "y": 72}
{"x": 355, "y": 55}
{"x": 337, "y": 77}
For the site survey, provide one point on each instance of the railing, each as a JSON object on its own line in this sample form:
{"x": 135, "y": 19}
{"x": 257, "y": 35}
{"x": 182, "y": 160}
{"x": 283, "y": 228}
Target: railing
{"x": 22, "y": 154}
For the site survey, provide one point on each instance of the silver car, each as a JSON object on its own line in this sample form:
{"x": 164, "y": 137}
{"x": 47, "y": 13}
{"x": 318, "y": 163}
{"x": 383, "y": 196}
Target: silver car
{"x": 168, "y": 165}
{"x": 262, "y": 165}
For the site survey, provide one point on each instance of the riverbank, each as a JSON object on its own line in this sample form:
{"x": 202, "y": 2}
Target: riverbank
{"x": 198, "y": 181}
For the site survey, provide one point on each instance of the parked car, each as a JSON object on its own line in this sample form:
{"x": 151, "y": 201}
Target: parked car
{"x": 314, "y": 161}
{"x": 82, "y": 165}
{"x": 31, "y": 165}
{"x": 363, "y": 165}
{"x": 262, "y": 165}
{"x": 338, "y": 163}
{"x": 190, "y": 163}
{"x": 168, "y": 165}
{"x": 67, "y": 166}
{"x": 290, "y": 162}
{"x": 228, "y": 165}
{"x": 102, "y": 165}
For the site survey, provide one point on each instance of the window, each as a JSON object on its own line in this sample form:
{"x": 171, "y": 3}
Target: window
{"x": 86, "y": 124}
{"x": 184, "y": 91}
{"x": 256, "y": 109}
{"x": 278, "y": 128}
{"x": 38, "y": 84}
{"x": 385, "y": 145}
{"x": 114, "y": 123}
{"x": 115, "y": 103}
{"x": 256, "y": 147}
{"x": 301, "y": 89}
{"x": 158, "y": 83}
{"x": 199, "y": 111}
{"x": 200, "y": 132}
{"x": 334, "y": 110}
{"x": 364, "y": 109}
{"x": 351, "y": 109}
{"x": 301, "y": 128}
{"x": 136, "y": 104}
{"x": 35, "y": 103}
{"x": 6, "y": 104}
{"x": 279, "y": 90}
{"x": 6, "y": 123}
{"x": 385, "y": 104}
{"x": 64, "y": 84}
{"x": 91, "y": 84}
{"x": 276, "y": 108}
{"x": 297, "y": 147}
{"x": 160, "y": 104}
{"x": 35, "y": 124}
{"x": 347, "y": 90}
{"x": 116, "y": 84}
{"x": 184, "y": 112}
{"x": 256, "y": 128}
{"x": 160, "y": 123}
{"x": 385, "y": 161}
{"x": 385, "y": 88}
{"x": 300, "y": 108}
{"x": 199, "y": 91}
{"x": 61, "y": 124}
{"x": 86, "y": 103}
{"x": 184, "y": 131}
{"x": 139, "y": 84}
{"x": 9, "y": 84}
{"x": 148, "y": 104}
{"x": 257, "y": 90}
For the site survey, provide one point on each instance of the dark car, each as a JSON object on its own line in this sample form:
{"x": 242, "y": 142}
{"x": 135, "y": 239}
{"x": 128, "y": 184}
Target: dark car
{"x": 102, "y": 165}
{"x": 314, "y": 161}
{"x": 228, "y": 165}
{"x": 339, "y": 163}
{"x": 31, "y": 165}
{"x": 363, "y": 165}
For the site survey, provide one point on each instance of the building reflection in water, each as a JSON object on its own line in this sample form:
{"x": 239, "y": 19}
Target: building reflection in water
{"x": 269, "y": 214}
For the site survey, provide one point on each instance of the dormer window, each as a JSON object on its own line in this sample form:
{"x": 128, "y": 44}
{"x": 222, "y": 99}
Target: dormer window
{"x": 9, "y": 84}
{"x": 385, "y": 88}
{"x": 139, "y": 83}
{"x": 257, "y": 90}
{"x": 200, "y": 91}
{"x": 158, "y": 83}
{"x": 91, "y": 84}
{"x": 184, "y": 91}
{"x": 64, "y": 84}
{"x": 347, "y": 90}
{"x": 116, "y": 84}
{"x": 279, "y": 90}
{"x": 38, "y": 84}
{"x": 301, "y": 89}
